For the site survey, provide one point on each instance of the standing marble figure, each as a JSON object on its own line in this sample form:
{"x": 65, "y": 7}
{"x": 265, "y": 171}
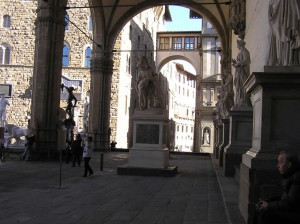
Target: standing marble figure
{"x": 146, "y": 84}
{"x": 242, "y": 71}
{"x": 284, "y": 19}
{"x": 3, "y": 103}
{"x": 206, "y": 137}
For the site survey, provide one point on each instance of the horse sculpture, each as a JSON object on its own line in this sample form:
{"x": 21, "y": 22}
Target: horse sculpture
{"x": 16, "y": 133}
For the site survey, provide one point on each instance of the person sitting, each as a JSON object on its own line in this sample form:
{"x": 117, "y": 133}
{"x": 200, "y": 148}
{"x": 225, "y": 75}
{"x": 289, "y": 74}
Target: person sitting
{"x": 286, "y": 208}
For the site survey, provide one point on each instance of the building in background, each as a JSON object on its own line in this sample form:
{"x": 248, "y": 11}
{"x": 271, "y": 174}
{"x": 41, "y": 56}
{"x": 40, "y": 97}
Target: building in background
{"x": 17, "y": 42}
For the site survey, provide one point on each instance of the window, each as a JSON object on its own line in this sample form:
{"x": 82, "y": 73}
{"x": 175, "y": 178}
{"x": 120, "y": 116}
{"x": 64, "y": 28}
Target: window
{"x": 6, "y": 21}
{"x": 67, "y": 22}
{"x": 66, "y": 52}
{"x": 209, "y": 26}
{"x": 128, "y": 64}
{"x": 198, "y": 43}
{"x": 164, "y": 43}
{"x": 88, "y": 56}
{"x": 130, "y": 32}
{"x": 90, "y": 23}
{"x": 136, "y": 73}
{"x": 4, "y": 54}
{"x": 177, "y": 43}
{"x": 189, "y": 43}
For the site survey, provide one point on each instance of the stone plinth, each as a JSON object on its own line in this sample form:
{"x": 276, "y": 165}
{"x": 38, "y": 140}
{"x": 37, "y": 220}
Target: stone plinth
{"x": 219, "y": 136}
{"x": 149, "y": 149}
{"x": 276, "y": 104}
{"x": 240, "y": 138}
{"x": 225, "y": 139}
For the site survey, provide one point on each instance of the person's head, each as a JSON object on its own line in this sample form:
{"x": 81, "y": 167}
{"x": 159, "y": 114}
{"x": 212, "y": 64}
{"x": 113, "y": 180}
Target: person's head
{"x": 90, "y": 139}
{"x": 2, "y": 95}
{"x": 286, "y": 162}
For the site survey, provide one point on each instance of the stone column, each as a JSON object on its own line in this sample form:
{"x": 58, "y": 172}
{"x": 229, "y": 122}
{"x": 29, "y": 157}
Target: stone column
{"x": 50, "y": 26}
{"x": 101, "y": 75}
{"x": 225, "y": 141}
{"x": 197, "y": 124}
{"x": 276, "y": 106}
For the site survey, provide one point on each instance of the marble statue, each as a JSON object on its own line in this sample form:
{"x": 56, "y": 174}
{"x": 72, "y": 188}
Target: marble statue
{"x": 3, "y": 103}
{"x": 219, "y": 110}
{"x": 146, "y": 84}
{"x": 284, "y": 19}
{"x": 85, "y": 115}
{"x": 15, "y": 132}
{"x": 206, "y": 137}
{"x": 228, "y": 94}
{"x": 242, "y": 71}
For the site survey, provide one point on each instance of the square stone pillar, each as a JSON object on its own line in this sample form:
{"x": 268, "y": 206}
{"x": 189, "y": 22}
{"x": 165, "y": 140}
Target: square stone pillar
{"x": 240, "y": 138}
{"x": 219, "y": 139}
{"x": 276, "y": 104}
{"x": 225, "y": 141}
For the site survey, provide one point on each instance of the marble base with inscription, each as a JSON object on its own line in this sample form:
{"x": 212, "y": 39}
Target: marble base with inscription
{"x": 149, "y": 140}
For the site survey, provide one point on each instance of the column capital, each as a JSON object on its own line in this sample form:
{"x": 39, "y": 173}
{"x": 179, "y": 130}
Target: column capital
{"x": 101, "y": 65}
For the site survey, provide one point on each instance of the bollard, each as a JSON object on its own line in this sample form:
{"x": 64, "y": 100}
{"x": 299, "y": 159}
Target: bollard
{"x": 101, "y": 161}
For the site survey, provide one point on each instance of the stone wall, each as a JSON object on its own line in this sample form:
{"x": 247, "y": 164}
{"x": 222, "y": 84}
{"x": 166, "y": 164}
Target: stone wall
{"x": 21, "y": 38}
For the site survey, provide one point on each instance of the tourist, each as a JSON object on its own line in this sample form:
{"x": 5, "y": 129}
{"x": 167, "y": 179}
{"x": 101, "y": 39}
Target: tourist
{"x": 87, "y": 148}
{"x": 286, "y": 208}
{"x": 77, "y": 150}
{"x": 28, "y": 146}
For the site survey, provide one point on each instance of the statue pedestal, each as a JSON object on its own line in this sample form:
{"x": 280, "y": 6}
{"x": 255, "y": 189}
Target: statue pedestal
{"x": 149, "y": 154}
{"x": 225, "y": 141}
{"x": 276, "y": 104}
{"x": 240, "y": 138}
{"x": 219, "y": 136}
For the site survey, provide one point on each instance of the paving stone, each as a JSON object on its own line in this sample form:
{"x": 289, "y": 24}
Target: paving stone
{"x": 30, "y": 194}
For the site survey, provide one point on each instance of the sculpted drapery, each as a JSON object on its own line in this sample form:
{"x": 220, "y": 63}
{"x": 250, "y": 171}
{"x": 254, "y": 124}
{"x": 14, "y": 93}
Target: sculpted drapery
{"x": 284, "y": 18}
{"x": 242, "y": 71}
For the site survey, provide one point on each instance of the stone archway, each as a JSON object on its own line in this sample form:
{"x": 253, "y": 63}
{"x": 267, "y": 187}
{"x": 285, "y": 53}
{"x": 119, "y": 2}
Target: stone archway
{"x": 107, "y": 23}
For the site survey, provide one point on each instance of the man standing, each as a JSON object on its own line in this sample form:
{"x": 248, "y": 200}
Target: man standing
{"x": 3, "y": 103}
{"x": 87, "y": 149}
{"x": 77, "y": 150}
{"x": 285, "y": 209}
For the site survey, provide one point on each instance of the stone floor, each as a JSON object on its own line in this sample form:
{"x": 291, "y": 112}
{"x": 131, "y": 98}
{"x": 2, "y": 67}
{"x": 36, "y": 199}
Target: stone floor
{"x": 30, "y": 194}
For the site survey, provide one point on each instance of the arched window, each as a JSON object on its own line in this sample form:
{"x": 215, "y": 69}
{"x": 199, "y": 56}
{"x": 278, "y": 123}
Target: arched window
{"x": 90, "y": 23}
{"x": 88, "y": 56}
{"x": 66, "y": 52}
{"x": 4, "y": 54}
{"x": 6, "y": 21}
{"x": 67, "y": 22}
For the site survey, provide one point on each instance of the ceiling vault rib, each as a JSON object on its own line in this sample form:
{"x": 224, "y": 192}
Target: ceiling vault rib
{"x": 158, "y": 4}
{"x": 112, "y": 13}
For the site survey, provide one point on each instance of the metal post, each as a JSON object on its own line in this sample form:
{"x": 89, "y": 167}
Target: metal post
{"x": 60, "y": 161}
{"x": 101, "y": 161}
